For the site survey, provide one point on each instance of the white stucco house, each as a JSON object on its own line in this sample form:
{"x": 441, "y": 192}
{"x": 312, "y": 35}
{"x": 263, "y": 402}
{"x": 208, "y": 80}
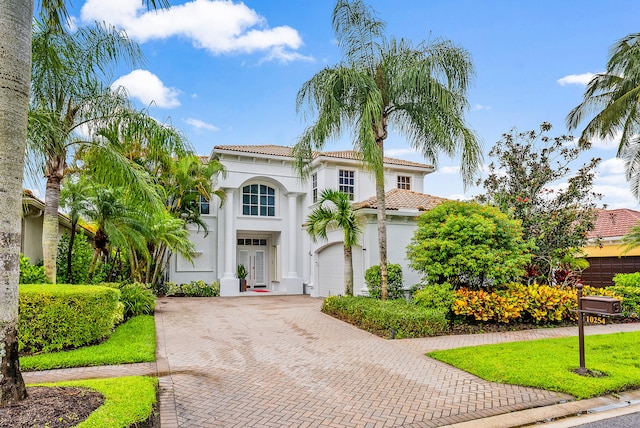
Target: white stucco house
{"x": 260, "y": 224}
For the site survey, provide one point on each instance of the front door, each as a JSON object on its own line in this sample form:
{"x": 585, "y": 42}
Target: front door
{"x": 252, "y": 253}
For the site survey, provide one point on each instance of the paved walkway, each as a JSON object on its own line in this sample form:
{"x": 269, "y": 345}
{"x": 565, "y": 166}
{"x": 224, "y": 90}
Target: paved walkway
{"x": 277, "y": 361}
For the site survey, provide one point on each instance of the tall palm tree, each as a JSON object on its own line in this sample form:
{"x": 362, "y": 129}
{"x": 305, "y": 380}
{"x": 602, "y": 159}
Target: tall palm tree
{"x": 15, "y": 64}
{"x": 419, "y": 91}
{"x": 612, "y": 107}
{"x": 341, "y": 215}
{"x": 69, "y": 92}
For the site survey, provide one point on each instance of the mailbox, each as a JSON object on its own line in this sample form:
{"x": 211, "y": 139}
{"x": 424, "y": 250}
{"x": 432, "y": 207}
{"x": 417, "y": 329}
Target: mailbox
{"x": 600, "y": 305}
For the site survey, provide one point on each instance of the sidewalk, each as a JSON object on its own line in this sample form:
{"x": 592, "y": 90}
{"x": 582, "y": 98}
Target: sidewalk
{"x": 279, "y": 361}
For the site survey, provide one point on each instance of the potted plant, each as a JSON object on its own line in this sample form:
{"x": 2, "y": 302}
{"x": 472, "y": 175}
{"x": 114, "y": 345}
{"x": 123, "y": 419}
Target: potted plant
{"x": 241, "y": 273}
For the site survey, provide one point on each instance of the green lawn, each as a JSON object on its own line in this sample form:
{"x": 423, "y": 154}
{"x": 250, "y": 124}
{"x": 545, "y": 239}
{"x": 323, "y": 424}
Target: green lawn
{"x": 132, "y": 342}
{"x": 128, "y": 400}
{"x": 548, "y": 363}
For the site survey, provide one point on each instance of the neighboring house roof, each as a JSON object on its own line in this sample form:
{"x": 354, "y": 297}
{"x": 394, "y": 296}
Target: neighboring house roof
{"x": 398, "y": 199}
{"x": 274, "y": 150}
{"x": 614, "y": 223}
{"x": 31, "y": 203}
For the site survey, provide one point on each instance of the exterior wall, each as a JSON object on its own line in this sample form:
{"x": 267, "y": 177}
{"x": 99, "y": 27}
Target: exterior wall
{"x": 292, "y": 256}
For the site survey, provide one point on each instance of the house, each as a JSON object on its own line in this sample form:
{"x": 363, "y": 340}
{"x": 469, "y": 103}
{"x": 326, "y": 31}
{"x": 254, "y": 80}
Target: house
{"x": 32, "y": 220}
{"x": 608, "y": 257}
{"x": 260, "y": 224}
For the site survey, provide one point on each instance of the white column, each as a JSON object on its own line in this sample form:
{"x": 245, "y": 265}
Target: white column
{"x": 292, "y": 235}
{"x": 229, "y": 235}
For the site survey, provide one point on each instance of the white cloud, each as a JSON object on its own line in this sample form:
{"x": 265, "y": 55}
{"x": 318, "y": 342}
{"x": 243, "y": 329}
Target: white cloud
{"x": 448, "y": 170}
{"x": 405, "y": 152}
{"x": 219, "y": 26}
{"x": 148, "y": 88}
{"x": 480, "y": 107}
{"x": 199, "y": 124}
{"x": 576, "y": 79}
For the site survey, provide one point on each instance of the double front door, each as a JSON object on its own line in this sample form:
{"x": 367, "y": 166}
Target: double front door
{"x": 252, "y": 253}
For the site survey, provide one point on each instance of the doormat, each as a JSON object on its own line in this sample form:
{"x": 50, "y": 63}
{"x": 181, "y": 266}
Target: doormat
{"x": 261, "y": 290}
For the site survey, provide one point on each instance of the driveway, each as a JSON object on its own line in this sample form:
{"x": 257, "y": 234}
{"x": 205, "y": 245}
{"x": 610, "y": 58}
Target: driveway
{"x": 277, "y": 361}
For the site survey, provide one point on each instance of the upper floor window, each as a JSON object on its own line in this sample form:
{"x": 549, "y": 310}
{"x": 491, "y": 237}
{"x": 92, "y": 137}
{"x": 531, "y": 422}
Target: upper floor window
{"x": 404, "y": 182}
{"x": 203, "y": 204}
{"x": 314, "y": 186}
{"x": 259, "y": 200}
{"x": 347, "y": 182}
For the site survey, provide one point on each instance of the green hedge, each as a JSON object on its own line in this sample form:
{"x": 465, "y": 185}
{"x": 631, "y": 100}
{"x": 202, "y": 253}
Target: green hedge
{"x": 386, "y": 318}
{"x": 630, "y": 295}
{"x": 138, "y": 298}
{"x": 54, "y": 317}
{"x": 193, "y": 289}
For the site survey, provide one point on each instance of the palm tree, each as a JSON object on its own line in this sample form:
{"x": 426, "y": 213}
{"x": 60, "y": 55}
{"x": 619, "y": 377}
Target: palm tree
{"x": 610, "y": 101}
{"x": 419, "y": 91}
{"x": 68, "y": 93}
{"x": 73, "y": 196}
{"x": 323, "y": 219}
{"x": 15, "y": 63}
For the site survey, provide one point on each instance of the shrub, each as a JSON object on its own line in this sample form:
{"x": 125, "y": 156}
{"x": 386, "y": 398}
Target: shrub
{"x": 395, "y": 288}
{"x": 137, "y": 298}
{"x": 468, "y": 245}
{"x": 630, "y": 295}
{"x": 389, "y": 318}
{"x": 31, "y": 274}
{"x": 627, "y": 279}
{"x": 193, "y": 289}
{"x": 437, "y": 296}
{"x": 81, "y": 257}
{"x": 524, "y": 303}
{"x": 55, "y": 317}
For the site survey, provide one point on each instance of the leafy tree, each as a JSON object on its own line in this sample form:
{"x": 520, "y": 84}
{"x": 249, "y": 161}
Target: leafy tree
{"x": 610, "y": 106}
{"x": 338, "y": 215}
{"x": 468, "y": 245}
{"x": 396, "y": 285}
{"x": 73, "y": 197}
{"x": 419, "y": 91}
{"x": 523, "y": 182}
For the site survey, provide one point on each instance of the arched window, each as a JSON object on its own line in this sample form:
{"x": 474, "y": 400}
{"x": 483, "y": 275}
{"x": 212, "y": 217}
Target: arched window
{"x": 259, "y": 200}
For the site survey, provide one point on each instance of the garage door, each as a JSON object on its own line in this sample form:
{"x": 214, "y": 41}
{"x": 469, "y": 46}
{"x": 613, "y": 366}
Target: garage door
{"x": 331, "y": 271}
{"x": 602, "y": 269}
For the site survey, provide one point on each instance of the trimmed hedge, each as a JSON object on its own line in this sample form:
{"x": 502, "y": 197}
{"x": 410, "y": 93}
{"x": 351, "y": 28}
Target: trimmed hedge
{"x": 55, "y": 316}
{"x": 387, "y": 318}
{"x": 193, "y": 289}
{"x": 630, "y": 295}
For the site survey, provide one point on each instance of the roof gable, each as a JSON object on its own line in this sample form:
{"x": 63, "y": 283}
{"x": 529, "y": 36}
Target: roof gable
{"x": 398, "y": 199}
{"x": 614, "y": 223}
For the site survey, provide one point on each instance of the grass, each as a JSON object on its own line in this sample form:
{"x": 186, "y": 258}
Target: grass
{"x": 548, "y": 363}
{"x": 132, "y": 342}
{"x": 127, "y": 400}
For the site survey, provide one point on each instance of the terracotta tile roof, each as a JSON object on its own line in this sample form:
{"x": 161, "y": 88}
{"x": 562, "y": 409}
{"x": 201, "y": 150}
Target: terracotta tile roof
{"x": 397, "y": 199}
{"x": 614, "y": 223}
{"x": 274, "y": 150}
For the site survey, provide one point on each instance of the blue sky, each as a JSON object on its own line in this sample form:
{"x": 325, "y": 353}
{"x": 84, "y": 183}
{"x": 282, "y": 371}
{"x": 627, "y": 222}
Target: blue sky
{"x": 226, "y": 72}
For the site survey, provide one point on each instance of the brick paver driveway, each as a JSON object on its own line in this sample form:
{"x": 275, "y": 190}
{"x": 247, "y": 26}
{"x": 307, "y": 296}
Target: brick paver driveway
{"x": 277, "y": 361}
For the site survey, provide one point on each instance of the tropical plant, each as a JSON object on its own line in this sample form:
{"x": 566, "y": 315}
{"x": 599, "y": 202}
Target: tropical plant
{"x": 382, "y": 81}
{"x": 610, "y": 106}
{"x": 69, "y": 91}
{"x": 523, "y": 182}
{"x": 15, "y": 43}
{"x": 338, "y": 214}
{"x": 468, "y": 245}
{"x": 72, "y": 197}
{"x": 31, "y": 274}
{"x": 241, "y": 272}
{"x": 395, "y": 286}
{"x": 81, "y": 256}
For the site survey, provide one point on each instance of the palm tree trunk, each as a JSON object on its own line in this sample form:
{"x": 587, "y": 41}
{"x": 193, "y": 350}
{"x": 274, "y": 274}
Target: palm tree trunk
{"x": 382, "y": 237}
{"x": 15, "y": 72}
{"x": 348, "y": 271}
{"x": 72, "y": 238}
{"x": 50, "y": 226}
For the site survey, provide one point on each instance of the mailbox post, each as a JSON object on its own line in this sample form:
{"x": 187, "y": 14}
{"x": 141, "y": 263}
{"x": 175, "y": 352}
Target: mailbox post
{"x": 598, "y": 305}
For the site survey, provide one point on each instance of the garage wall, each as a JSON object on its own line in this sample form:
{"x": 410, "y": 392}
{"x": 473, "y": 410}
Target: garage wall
{"x": 601, "y": 270}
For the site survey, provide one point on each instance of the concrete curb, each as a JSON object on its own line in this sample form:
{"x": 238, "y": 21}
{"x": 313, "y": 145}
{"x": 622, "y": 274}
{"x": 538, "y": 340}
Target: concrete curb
{"x": 562, "y": 415}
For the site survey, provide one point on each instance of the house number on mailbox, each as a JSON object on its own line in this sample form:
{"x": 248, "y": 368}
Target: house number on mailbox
{"x": 595, "y": 319}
